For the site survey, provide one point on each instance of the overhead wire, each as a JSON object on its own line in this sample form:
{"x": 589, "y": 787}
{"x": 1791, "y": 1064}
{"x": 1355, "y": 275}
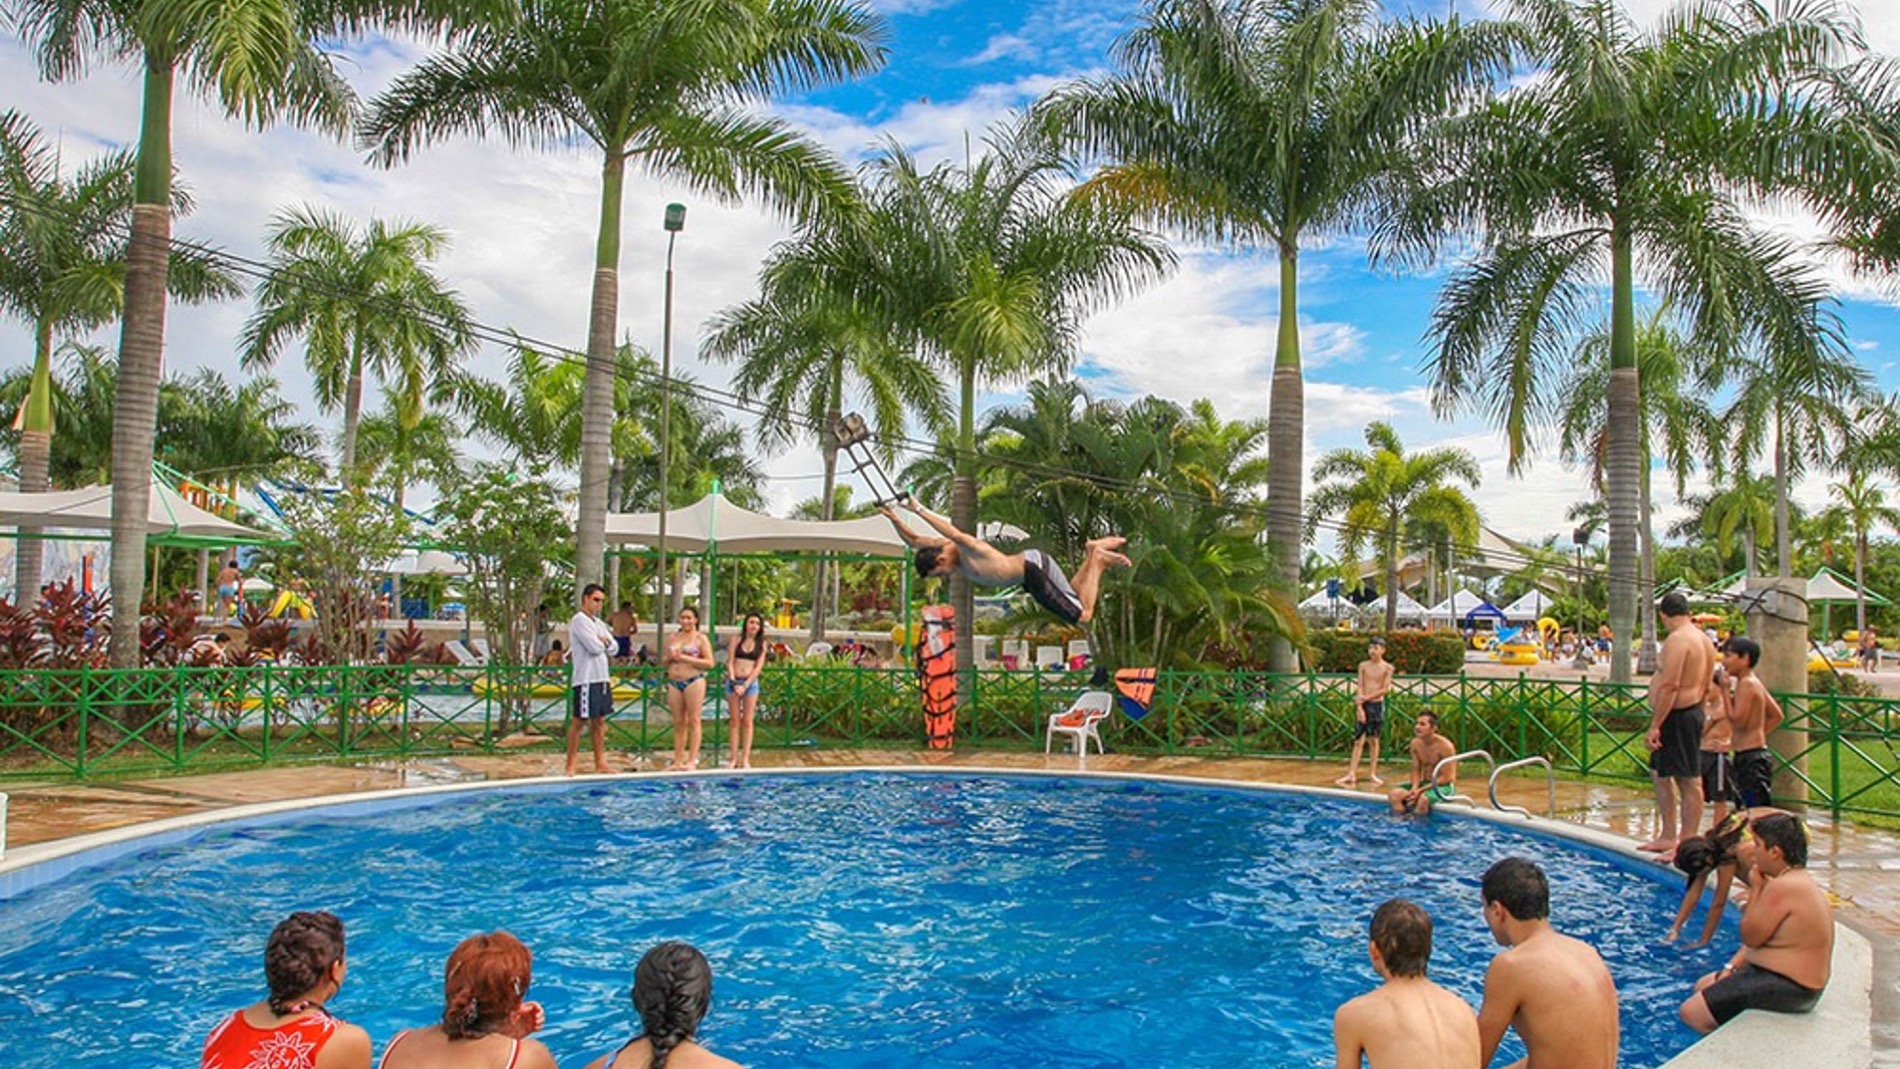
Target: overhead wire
{"x": 727, "y": 398}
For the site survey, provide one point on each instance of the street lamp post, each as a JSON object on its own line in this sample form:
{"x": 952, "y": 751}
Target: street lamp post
{"x": 675, "y": 222}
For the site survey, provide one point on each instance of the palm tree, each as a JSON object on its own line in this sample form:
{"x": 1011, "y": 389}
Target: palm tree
{"x": 1673, "y": 414}
{"x": 1376, "y": 491}
{"x": 1741, "y": 506}
{"x": 81, "y": 454}
{"x": 62, "y": 270}
{"x": 1271, "y": 124}
{"x": 366, "y": 303}
{"x": 257, "y": 59}
{"x": 807, "y": 347}
{"x": 224, "y": 433}
{"x": 989, "y": 269}
{"x": 396, "y": 451}
{"x": 1863, "y": 504}
{"x": 668, "y": 85}
{"x": 533, "y": 416}
{"x": 1636, "y": 152}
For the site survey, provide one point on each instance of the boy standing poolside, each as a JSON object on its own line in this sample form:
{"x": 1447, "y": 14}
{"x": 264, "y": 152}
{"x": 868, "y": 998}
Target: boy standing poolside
{"x": 1428, "y": 748}
{"x": 1408, "y": 1022}
{"x": 1718, "y": 764}
{"x": 1368, "y": 705}
{"x": 1754, "y": 715}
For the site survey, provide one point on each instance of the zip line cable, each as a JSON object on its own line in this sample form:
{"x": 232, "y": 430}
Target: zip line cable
{"x": 727, "y": 398}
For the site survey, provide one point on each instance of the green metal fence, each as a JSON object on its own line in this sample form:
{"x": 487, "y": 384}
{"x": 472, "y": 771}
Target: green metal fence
{"x": 90, "y": 722}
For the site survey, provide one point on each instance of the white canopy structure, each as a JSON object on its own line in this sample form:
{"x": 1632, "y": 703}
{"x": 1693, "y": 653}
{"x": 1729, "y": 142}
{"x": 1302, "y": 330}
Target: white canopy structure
{"x": 1825, "y": 585}
{"x": 714, "y": 521}
{"x": 171, "y": 518}
{"x": 1530, "y": 607}
{"x": 1409, "y": 608}
{"x": 425, "y": 562}
{"x": 1455, "y": 608}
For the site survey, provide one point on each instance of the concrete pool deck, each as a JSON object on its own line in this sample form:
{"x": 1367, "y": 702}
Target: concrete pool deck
{"x": 1859, "y": 866}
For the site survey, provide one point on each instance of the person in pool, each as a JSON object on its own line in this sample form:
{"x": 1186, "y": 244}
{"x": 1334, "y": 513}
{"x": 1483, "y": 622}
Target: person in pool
{"x": 688, "y": 657}
{"x": 304, "y": 968}
{"x": 744, "y": 661}
{"x": 1408, "y": 1022}
{"x": 1428, "y": 748}
{"x": 985, "y": 565}
{"x": 672, "y": 990}
{"x": 1552, "y": 988}
{"x": 485, "y": 1022}
{"x": 1787, "y": 933}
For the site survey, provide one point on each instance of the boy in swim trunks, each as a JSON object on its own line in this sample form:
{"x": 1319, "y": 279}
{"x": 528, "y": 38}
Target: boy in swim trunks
{"x": 1787, "y": 933}
{"x": 1428, "y": 748}
{"x": 985, "y": 565}
{"x": 1368, "y": 710}
{"x": 1754, "y": 714}
{"x": 1408, "y": 1022}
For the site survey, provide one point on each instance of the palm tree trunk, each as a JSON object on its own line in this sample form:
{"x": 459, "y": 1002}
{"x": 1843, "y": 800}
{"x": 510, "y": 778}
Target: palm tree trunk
{"x": 1392, "y": 574}
{"x": 1784, "y": 537}
{"x": 141, "y": 362}
{"x": 963, "y": 514}
{"x": 1623, "y": 462}
{"x": 352, "y": 412}
{"x": 1646, "y": 654}
{"x": 820, "y": 590}
{"x": 36, "y": 461}
{"x": 1286, "y": 410}
{"x": 1860, "y": 581}
{"x": 597, "y": 391}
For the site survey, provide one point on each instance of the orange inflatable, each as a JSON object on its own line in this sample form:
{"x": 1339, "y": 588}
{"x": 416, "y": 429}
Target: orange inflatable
{"x": 1136, "y": 687}
{"x": 937, "y": 665}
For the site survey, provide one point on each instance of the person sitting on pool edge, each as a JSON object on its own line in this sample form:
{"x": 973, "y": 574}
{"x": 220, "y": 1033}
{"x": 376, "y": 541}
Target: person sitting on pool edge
{"x": 1408, "y": 1022}
{"x": 1552, "y": 988}
{"x": 1787, "y": 933}
{"x": 304, "y": 968}
{"x": 985, "y": 565}
{"x": 672, "y": 990}
{"x": 1428, "y": 749}
{"x": 485, "y": 1022}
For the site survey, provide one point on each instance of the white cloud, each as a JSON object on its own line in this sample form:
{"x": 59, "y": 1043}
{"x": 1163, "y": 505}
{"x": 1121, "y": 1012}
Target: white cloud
{"x": 1003, "y": 45}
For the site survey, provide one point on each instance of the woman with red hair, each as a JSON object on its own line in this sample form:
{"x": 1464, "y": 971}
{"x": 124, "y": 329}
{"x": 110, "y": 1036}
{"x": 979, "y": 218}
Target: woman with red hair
{"x": 485, "y": 1022}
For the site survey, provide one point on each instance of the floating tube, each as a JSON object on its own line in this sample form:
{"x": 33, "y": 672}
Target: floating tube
{"x": 623, "y": 692}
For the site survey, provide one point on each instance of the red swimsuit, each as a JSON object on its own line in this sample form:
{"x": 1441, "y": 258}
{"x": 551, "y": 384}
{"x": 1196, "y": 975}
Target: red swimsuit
{"x": 237, "y": 1044}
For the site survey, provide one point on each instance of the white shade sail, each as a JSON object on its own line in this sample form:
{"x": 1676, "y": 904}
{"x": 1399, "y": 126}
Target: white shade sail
{"x": 715, "y": 521}
{"x": 90, "y": 509}
{"x": 1532, "y": 605}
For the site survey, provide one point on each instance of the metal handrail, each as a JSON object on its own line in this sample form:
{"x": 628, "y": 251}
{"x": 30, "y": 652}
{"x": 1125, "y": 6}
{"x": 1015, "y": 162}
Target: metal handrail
{"x": 1550, "y": 782}
{"x": 1432, "y": 780}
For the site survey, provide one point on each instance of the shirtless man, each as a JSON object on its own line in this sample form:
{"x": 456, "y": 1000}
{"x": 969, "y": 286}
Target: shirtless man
{"x": 624, "y": 623}
{"x": 1368, "y": 711}
{"x": 230, "y": 586}
{"x": 1683, "y": 669}
{"x": 1428, "y": 748}
{"x": 1754, "y": 714}
{"x": 985, "y": 565}
{"x": 1553, "y": 989}
{"x": 1408, "y": 1022}
{"x": 1787, "y": 933}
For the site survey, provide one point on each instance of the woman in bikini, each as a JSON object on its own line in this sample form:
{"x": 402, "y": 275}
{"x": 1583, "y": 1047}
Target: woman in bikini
{"x": 689, "y": 656}
{"x": 303, "y": 964}
{"x": 672, "y": 989}
{"x": 744, "y": 661}
{"x": 485, "y": 1023}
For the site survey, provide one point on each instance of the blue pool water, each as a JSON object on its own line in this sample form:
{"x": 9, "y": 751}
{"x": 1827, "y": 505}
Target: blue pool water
{"x": 852, "y": 920}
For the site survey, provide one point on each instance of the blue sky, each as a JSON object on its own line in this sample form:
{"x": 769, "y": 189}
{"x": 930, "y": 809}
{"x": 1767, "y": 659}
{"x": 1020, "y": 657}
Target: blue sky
{"x": 522, "y": 225}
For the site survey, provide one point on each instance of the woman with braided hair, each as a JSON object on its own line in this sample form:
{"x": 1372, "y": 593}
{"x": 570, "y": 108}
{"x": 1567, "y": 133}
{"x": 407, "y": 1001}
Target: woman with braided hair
{"x": 291, "y": 1029}
{"x": 672, "y": 989}
{"x": 485, "y": 1022}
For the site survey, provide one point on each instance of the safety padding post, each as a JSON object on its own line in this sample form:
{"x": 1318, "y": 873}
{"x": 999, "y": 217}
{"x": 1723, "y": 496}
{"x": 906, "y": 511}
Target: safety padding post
{"x": 3, "y": 824}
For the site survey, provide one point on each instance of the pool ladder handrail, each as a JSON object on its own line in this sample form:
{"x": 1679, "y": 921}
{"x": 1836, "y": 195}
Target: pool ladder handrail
{"x": 1550, "y": 783}
{"x": 1468, "y": 755}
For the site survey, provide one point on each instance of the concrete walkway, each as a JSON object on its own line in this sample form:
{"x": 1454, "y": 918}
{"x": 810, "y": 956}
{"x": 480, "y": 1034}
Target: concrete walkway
{"x": 1859, "y": 866}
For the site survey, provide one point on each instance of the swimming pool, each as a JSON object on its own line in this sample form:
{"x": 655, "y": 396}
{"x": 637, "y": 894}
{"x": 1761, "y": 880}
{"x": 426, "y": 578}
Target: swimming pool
{"x": 855, "y": 919}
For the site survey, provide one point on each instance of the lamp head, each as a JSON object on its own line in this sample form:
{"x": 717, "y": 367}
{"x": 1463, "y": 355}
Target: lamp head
{"x": 675, "y": 218}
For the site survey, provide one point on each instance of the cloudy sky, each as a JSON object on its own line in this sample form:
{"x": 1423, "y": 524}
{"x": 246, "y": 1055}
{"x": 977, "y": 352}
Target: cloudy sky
{"x": 523, "y": 223}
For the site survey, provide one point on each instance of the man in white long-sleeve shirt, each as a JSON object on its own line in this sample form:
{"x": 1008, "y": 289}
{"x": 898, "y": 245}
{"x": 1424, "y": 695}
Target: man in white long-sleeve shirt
{"x": 591, "y": 689}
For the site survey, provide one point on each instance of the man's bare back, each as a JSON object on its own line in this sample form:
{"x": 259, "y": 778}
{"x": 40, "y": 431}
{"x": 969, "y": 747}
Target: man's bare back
{"x": 1557, "y": 994}
{"x": 1409, "y": 1023}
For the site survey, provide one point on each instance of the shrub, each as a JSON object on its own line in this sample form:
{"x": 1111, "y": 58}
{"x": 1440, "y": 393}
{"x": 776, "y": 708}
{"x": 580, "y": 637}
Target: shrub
{"x": 1411, "y": 652}
{"x": 1828, "y": 681}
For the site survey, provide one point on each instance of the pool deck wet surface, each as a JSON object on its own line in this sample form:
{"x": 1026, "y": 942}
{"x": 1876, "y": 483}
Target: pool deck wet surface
{"x": 1860, "y": 866}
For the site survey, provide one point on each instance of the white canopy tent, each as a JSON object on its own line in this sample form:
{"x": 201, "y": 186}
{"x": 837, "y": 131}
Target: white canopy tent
{"x": 1530, "y": 607}
{"x": 425, "y": 562}
{"x": 1455, "y": 607}
{"x": 171, "y": 518}
{"x": 715, "y": 522}
{"x": 1408, "y": 608}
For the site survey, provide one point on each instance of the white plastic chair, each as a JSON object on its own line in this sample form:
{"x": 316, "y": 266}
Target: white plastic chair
{"x": 1081, "y": 722}
{"x": 479, "y": 646}
{"x": 462, "y": 655}
{"x": 818, "y": 651}
{"x": 1049, "y": 657}
{"x": 1079, "y": 647}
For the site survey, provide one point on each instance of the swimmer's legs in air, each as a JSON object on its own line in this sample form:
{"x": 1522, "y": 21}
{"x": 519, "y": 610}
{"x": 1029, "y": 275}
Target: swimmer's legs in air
{"x": 1097, "y": 558}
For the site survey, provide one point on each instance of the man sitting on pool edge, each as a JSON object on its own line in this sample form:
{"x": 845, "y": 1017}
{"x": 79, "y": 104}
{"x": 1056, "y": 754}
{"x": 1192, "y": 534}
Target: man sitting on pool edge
{"x": 1787, "y": 933}
{"x": 1428, "y": 749}
{"x": 985, "y": 565}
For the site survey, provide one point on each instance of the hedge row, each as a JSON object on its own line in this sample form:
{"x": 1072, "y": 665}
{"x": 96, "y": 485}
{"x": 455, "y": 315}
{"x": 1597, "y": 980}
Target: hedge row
{"x": 1412, "y": 652}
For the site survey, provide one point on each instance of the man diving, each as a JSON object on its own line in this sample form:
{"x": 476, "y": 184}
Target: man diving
{"x": 1032, "y": 569}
